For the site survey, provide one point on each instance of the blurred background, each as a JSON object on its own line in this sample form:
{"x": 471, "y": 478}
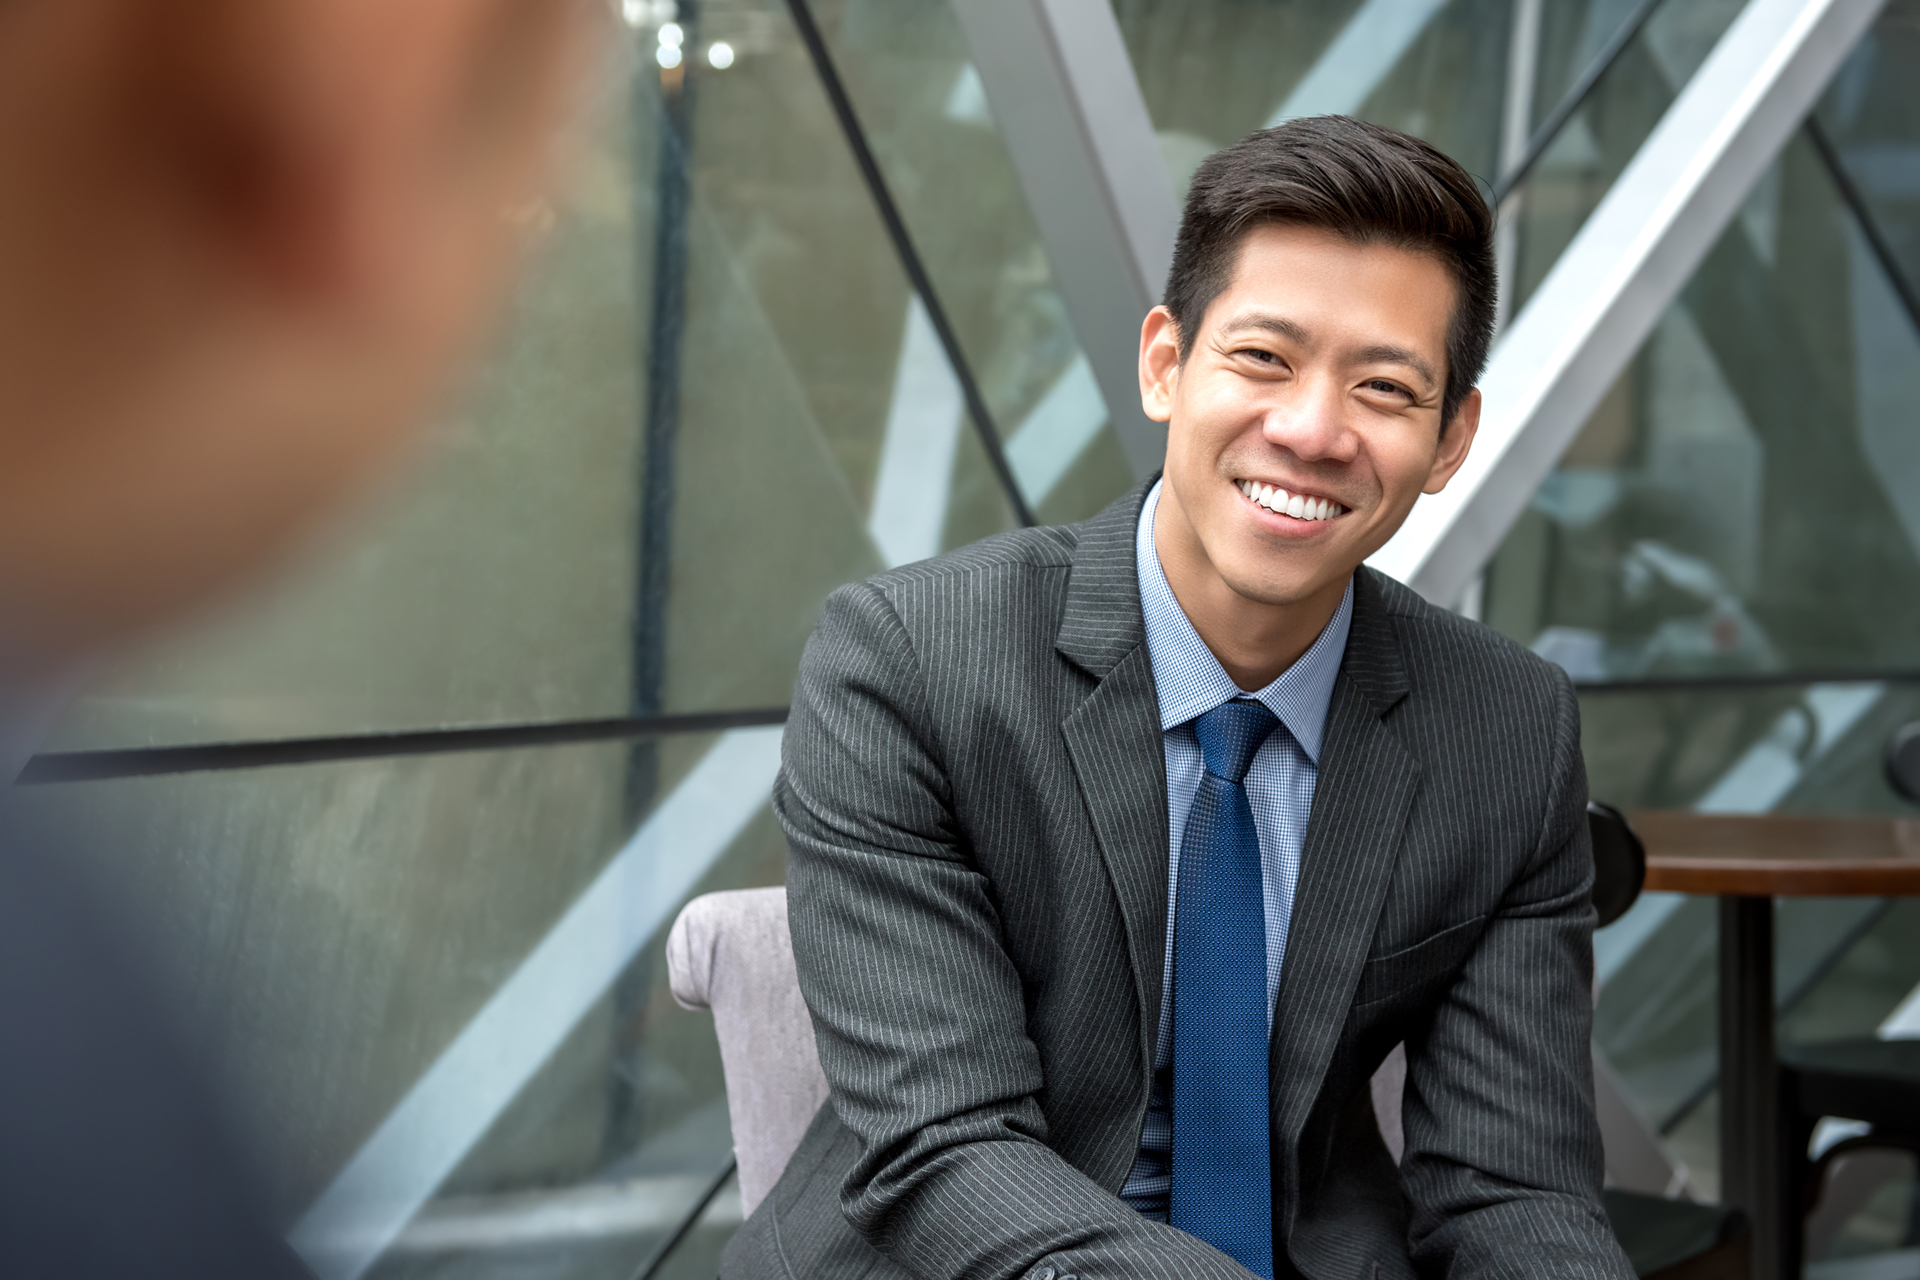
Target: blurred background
{"x": 420, "y": 816}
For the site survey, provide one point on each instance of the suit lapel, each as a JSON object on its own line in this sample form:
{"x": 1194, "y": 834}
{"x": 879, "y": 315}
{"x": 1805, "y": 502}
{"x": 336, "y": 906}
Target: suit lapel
{"x": 1367, "y": 781}
{"x": 1113, "y": 739}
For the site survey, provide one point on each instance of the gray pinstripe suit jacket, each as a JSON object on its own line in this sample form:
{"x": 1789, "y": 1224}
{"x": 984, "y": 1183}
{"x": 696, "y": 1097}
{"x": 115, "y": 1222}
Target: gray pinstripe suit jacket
{"x": 975, "y": 798}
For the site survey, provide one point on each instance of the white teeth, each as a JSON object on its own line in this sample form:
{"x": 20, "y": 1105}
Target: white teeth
{"x": 1299, "y": 506}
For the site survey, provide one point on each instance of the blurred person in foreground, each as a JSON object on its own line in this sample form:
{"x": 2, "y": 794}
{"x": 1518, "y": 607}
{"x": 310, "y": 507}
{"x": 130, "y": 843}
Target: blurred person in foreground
{"x": 244, "y": 243}
{"x": 1124, "y": 853}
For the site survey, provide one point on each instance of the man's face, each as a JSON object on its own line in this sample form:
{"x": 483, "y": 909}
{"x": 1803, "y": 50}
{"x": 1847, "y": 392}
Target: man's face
{"x": 1305, "y": 419}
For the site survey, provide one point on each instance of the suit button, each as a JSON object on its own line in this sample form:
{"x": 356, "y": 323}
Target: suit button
{"x": 1046, "y": 1272}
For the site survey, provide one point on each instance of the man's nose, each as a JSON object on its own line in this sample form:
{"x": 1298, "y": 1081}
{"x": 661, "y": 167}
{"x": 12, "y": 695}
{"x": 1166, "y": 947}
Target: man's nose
{"x": 1312, "y": 425}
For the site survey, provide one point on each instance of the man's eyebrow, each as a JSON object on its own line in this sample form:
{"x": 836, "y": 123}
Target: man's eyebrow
{"x": 1389, "y": 354}
{"x": 1267, "y": 322}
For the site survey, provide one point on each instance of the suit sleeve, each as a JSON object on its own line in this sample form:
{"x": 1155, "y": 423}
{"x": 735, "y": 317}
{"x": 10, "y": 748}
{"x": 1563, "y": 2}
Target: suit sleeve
{"x": 1503, "y": 1160}
{"x": 918, "y": 1011}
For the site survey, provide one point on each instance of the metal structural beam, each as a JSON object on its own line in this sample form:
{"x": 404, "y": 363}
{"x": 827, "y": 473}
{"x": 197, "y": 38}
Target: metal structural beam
{"x": 1604, "y": 295}
{"x": 1062, "y": 91}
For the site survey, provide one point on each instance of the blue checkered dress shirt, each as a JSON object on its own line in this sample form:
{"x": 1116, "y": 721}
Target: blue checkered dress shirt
{"x": 1191, "y": 682}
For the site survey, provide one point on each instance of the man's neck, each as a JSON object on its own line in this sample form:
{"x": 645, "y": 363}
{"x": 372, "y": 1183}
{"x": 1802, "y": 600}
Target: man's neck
{"x": 1253, "y": 641}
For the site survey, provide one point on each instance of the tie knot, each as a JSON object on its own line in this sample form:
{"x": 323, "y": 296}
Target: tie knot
{"x": 1231, "y": 733}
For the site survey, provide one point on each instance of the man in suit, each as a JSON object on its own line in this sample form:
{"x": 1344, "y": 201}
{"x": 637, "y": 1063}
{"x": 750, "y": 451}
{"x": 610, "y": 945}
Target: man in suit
{"x": 1123, "y": 853}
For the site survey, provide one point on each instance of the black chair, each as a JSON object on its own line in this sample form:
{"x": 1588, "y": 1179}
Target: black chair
{"x": 1865, "y": 1079}
{"x": 1903, "y": 760}
{"x": 1663, "y": 1239}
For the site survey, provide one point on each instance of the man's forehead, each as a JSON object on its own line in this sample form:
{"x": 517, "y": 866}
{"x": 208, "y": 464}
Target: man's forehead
{"x": 1282, "y": 268}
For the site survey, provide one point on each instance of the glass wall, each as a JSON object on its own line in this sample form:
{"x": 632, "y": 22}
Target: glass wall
{"x": 1214, "y": 72}
{"x": 536, "y": 686}
{"x": 1728, "y": 560}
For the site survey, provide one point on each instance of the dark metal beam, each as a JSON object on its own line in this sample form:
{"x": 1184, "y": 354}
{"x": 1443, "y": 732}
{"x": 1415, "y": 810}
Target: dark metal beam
{"x": 1863, "y": 215}
{"x": 1570, "y": 101}
{"x": 143, "y": 762}
{"x": 910, "y": 262}
{"x": 673, "y": 1238}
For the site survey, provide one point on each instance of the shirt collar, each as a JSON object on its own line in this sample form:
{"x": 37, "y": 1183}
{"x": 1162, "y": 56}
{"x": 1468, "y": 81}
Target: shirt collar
{"x": 1190, "y": 680}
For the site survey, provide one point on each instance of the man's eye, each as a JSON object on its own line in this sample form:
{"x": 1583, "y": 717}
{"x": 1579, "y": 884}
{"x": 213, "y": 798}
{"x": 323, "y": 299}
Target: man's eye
{"x": 1264, "y": 357}
{"x": 1385, "y": 387}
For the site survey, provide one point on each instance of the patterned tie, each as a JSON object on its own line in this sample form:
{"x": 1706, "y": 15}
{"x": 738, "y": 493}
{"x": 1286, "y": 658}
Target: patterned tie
{"x": 1222, "y": 1165}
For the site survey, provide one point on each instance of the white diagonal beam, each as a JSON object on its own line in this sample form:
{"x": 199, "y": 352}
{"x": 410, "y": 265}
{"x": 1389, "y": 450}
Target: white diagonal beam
{"x": 924, "y": 419}
{"x": 1063, "y": 93}
{"x": 1363, "y": 55}
{"x": 452, "y": 1105}
{"x": 1604, "y": 295}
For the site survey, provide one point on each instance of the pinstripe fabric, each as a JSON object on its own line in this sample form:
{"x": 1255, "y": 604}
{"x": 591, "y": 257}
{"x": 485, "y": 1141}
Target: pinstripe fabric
{"x": 1189, "y": 682}
{"x": 974, "y": 794}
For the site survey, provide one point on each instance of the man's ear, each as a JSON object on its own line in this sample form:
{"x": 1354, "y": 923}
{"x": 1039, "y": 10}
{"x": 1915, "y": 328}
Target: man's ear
{"x": 328, "y": 139}
{"x": 1159, "y": 363}
{"x": 1455, "y": 440}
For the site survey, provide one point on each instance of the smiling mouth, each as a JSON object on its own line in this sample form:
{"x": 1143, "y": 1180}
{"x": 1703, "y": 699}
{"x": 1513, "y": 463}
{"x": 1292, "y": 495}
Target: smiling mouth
{"x": 1297, "y": 505}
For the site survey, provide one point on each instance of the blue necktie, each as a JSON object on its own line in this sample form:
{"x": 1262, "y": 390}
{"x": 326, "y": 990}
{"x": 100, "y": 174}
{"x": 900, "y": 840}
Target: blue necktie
{"x": 1222, "y": 1164}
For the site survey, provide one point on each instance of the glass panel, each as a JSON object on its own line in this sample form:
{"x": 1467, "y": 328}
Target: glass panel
{"x": 1596, "y": 143}
{"x": 1212, "y": 73}
{"x": 338, "y": 926}
{"x": 785, "y": 444}
{"x": 1747, "y": 497}
{"x": 1737, "y": 506}
{"x": 926, "y": 117}
{"x": 1872, "y": 112}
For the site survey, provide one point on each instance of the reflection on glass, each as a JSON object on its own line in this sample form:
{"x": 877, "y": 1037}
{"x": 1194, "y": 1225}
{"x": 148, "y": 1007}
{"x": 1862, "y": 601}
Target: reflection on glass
{"x": 1747, "y": 497}
{"x": 925, "y": 114}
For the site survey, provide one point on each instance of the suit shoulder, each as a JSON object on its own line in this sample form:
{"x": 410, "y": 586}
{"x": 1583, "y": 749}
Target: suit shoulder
{"x": 1014, "y": 552}
{"x": 1467, "y": 652}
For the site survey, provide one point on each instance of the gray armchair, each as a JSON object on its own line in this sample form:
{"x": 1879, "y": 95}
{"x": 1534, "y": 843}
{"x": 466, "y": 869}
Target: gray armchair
{"x": 731, "y": 953}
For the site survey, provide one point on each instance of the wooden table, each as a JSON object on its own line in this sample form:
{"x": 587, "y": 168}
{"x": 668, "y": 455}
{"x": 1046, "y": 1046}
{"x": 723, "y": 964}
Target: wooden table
{"x": 1747, "y": 861}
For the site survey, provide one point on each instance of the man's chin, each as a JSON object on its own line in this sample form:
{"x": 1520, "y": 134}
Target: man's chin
{"x": 1280, "y": 591}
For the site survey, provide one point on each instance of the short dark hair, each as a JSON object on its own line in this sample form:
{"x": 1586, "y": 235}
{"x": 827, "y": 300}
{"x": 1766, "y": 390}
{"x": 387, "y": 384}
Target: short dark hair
{"x": 1361, "y": 181}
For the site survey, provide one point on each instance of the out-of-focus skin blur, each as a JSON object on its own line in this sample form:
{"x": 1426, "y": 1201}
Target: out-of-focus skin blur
{"x": 245, "y": 244}
{"x": 1320, "y": 370}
